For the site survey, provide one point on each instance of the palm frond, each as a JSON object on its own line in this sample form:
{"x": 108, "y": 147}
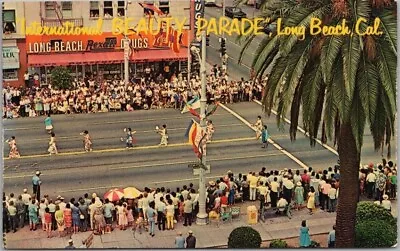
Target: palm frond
{"x": 368, "y": 82}
{"x": 357, "y": 120}
{"x": 389, "y": 29}
{"x": 330, "y": 50}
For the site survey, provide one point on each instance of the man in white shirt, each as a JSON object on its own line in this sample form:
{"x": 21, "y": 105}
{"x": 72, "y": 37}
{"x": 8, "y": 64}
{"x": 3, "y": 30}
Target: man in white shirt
{"x": 287, "y": 186}
{"x": 332, "y": 199}
{"x": 371, "y": 179}
{"x": 386, "y": 203}
{"x": 26, "y": 198}
{"x": 281, "y": 205}
{"x": 274, "y": 192}
{"x": 160, "y": 208}
{"x": 184, "y": 192}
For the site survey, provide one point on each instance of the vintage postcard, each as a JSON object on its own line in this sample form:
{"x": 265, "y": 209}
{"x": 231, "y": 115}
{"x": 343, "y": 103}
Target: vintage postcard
{"x": 199, "y": 124}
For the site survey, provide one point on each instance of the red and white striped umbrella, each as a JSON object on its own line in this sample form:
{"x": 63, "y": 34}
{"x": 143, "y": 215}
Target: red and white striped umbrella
{"x": 114, "y": 194}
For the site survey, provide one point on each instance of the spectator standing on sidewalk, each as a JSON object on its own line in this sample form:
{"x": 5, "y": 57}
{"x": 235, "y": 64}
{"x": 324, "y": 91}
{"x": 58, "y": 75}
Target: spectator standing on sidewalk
{"x": 299, "y": 195}
{"x": 19, "y": 204}
{"x": 160, "y": 208}
{"x": 190, "y": 240}
{"x": 180, "y": 241}
{"x": 151, "y": 214}
{"x": 12, "y": 212}
{"x": 33, "y": 215}
{"x": 332, "y": 237}
{"x": 187, "y": 209}
{"x": 305, "y": 240}
{"x": 36, "y": 182}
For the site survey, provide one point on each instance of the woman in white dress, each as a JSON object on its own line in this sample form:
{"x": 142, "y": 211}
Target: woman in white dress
{"x": 52, "y": 144}
{"x": 122, "y": 216}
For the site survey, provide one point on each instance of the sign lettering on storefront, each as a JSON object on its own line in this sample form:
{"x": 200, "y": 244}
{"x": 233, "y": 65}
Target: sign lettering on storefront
{"x": 198, "y": 13}
{"x": 58, "y": 46}
{"x": 10, "y": 58}
{"x": 138, "y": 43}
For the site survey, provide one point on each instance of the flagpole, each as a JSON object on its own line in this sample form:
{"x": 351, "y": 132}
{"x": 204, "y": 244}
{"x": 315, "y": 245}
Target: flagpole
{"x": 202, "y": 216}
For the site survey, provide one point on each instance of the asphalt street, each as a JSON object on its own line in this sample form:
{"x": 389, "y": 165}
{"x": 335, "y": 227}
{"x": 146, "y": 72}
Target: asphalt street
{"x": 74, "y": 172}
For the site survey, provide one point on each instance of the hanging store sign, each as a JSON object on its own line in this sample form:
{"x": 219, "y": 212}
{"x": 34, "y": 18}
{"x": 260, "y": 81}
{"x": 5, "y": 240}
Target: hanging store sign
{"x": 10, "y": 58}
{"x": 199, "y": 6}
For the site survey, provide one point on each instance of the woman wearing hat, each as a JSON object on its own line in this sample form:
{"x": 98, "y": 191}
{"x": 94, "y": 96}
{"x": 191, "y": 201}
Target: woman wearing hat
{"x": 299, "y": 195}
{"x": 386, "y": 203}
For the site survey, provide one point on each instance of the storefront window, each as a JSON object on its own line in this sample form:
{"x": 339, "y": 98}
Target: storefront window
{"x": 148, "y": 11}
{"x": 10, "y": 74}
{"x": 9, "y": 21}
{"x": 121, "y": 8}
{"x": 94, "y": 9}
{"x": 108, "y": 9}
{"x": 164, "y": 6}
{"x": 49, "y": 9}
{"x": 66, "y": 7}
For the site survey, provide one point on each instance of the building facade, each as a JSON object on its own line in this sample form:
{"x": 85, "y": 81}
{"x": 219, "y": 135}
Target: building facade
{"x": 87, "y": 37}
{"x": 14, "y": 45}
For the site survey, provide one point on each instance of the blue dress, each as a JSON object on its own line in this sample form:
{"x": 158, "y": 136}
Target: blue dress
{"x": 75, "y": 216}
{"x": 305, "y": 240}
{"x": 264, "y": 136}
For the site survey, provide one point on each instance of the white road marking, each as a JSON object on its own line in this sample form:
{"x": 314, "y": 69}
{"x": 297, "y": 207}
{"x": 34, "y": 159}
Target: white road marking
{"x": 277, "y": 146}
{"x": 303, "y": 131}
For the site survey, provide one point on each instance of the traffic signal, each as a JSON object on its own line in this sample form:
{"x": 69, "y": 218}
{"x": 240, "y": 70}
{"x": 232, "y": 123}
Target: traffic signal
{"x": 223, "y": 47}
{"x": 208, "y": 40}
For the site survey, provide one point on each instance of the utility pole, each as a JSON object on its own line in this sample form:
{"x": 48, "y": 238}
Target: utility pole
{"x": 202, "y": 216}
{"x": 126, "y": 50}
{"x": 189, "y": 68}
{"x": 224, "y": 60}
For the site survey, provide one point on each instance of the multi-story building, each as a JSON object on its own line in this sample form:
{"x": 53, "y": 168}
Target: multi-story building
{"x": 14, "y": 46}
{"x": 87, "y": 36}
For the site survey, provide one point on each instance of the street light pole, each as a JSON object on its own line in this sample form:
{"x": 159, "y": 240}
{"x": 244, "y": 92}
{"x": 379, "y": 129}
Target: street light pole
{"x": 224, "y": 60}
{"x": 202, "y": 215}
{"x": 126, "y": 51}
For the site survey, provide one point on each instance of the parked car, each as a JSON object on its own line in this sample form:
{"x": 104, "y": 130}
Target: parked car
{"x": 210, "y": 2}
{"x": 235, "y": 12}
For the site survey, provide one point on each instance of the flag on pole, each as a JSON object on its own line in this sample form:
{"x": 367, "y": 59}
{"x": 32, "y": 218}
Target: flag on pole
{"x": 195, "y": 135}
{"x": 152, "y": 7}
{"x": 193, "y": 104}
{"x": 212, "y": 110}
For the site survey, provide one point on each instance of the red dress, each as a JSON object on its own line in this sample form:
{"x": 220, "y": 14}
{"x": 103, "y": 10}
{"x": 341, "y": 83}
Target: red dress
{"x": 47, "y": 218}
{"x": 68, "y": 217}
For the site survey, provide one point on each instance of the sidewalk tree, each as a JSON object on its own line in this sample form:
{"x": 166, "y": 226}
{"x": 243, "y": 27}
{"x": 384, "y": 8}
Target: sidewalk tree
{"x": 244, "y": 237}
{"x": 61, "y": 78}
{"x": 338, "y": 83}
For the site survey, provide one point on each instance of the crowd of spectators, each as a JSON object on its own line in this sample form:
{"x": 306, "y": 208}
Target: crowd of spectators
{"x": 149, "y": 92}
{"x": 276, "y": 190}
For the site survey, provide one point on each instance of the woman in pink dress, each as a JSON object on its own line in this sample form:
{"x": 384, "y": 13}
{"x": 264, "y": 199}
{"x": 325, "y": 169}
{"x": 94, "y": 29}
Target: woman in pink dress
{"x": 68, "y": 218}
{"x": 14, "y": 153}
{"x": 122, "y": 216}
{"x": 130, "y": 216}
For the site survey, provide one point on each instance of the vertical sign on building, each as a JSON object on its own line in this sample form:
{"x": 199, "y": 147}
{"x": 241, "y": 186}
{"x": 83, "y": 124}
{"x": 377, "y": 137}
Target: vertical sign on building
{"x": 198, "y": 13}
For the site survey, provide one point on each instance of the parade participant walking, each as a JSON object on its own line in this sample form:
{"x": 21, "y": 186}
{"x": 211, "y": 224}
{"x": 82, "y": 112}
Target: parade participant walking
{"x": 52, "y": 144}
{"x": 164, "y": 135}
{"x": 264, "y": 137}
{"x": 36, "y": 182}
{"x": 12, "y": 143}
{"x": 129, "y": 137}
{"x": 210, "y": 130}
{"x": 87, "y": 141}
{"x": 258, "y": 126}
{"x": 48, "y": 122}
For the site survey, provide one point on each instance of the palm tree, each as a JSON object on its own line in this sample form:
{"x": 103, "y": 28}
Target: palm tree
{"x": 342, "y": 81}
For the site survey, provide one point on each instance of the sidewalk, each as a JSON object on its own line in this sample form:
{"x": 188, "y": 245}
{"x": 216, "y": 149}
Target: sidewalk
{"x": 275, "y": 227}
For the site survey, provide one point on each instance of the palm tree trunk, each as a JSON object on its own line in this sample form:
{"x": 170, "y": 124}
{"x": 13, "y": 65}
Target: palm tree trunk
{"x": 348, "y": 189}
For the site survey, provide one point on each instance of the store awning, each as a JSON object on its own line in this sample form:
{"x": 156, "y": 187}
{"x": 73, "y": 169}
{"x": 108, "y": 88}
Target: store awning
{"x": 158, "y": 55}
{"x": 108, "y": 57}
{"x": 76, "y": 58}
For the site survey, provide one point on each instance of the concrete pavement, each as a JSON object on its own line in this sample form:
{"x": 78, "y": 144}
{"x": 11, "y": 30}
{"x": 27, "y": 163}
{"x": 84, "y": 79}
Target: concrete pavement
{"x": 207, "y": 236}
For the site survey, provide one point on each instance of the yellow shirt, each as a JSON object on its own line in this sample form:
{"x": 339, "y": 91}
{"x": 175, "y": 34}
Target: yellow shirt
{"x": 263, "y": 190}
{"x": 274, "y": 186}
{"x": 253, "y": 181}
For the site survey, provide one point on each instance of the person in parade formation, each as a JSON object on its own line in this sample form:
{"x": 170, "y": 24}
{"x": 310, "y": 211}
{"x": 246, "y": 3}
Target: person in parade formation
{"x": 264, "y": 137}
{"x": 258, "y": 126}
{"x": 52, "y": 144}
{"x": 48, "y": 122}
{"x": 129, "y": 137}
{"x": 210, "y": 130}
{"x": 87, "y": 141}
{"x": 164, "y": 135}
{"x": 12, "y": 143}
